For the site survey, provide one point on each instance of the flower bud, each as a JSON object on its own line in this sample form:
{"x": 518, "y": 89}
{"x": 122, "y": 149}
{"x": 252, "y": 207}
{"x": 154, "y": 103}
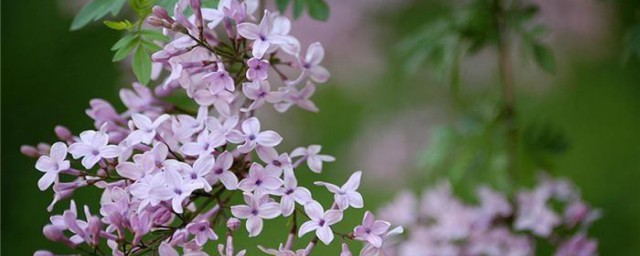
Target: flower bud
{"x": 157, "y": 22}
{"x": 43, "y": 253}
{"x": 63, "y": 133}
{"x": 195, "y": 4}
{"x": 233, "y": 224}
{"x": 29, "y": 151}
{"x": 54, "y": 233}
{"x": 161, "y": 13}
{"x": 43, "y": 148}
{"x": 345, "y": 250}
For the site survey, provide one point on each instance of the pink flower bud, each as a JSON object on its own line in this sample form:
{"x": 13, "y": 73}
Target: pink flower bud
{"x": 29, "y": 151}
{"x": 233, "y": 224}
{"x": 161, "y": 13}
{"x": 195, "y": 4}
{"x": 43, "y": 148}
{"x": 54, "y": 233}
{"x": 43, "y": 253}
{"x": 63, "y": 133}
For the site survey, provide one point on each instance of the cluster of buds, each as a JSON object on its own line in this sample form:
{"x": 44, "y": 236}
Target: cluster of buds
{"x": 168, "y": 175}
{"x": 441, "y": 224}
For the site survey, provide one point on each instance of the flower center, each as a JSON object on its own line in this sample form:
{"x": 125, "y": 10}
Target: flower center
{"x": 321, "y": 222}
{"x": 218, "y": 171}
{"x": 277, "y": 163}
{"x": 258, "y": 182}
{"x": 289, "y": 191}
{"x": 252, "y": 137}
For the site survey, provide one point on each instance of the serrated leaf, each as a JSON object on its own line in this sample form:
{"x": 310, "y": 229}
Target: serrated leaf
{"x": 94, "y": 11}
{"x": 318, "y": 9}
{"x": 118, "y": 25}
{"x": 154, "y": 35}
{"x": 141, "y": 65}
{"x": 142, "y": 7}
{"x": 298, "y": 8}
{"x": 544, "y": 57}
{"x": 125, "y": 50}
{"x": 123, "y": 41}
{"x": 282, "y": 5}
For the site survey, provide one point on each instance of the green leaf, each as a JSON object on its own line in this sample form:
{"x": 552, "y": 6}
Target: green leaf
{"x": 282, "y": 5}
{"x": 544, "y": 57}
{"x": 142, "y": 7}
{"x": 94, "y": 11}
{"x": 118, "y": 25}
{"x": 125, "y": 50}
{"x": 298, "y": 7}
{"x": 150, "y": 46}
{"x": 318, "y": 9}
{"x": 154, "y": 35}
{"x": 123, "y": 41}
{"x": 142, "y": 65}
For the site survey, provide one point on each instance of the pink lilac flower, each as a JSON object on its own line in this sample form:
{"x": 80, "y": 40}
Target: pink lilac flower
{"x": 185, "y": 126}
{"x": 258, "y": 69}
{"x": 205, "y": 144}
{"x": 346, "y": 195}
{"x": 257, "y": 207}
{"x": 260, "y": 180}
{"x": 578, "y": 245}
{"x": 311, "y": 65}
{"x": 197, "y": 174}
{"x": 290, "y": 194}
{"x": 203, "y": 232}
{"x": 253, "y": 136}
{"x": 299, "y": 98}
{"x": 282, "y": 251}
{"x": 220, "y": 172}
{"x": 176, "y": 189}
{"x": 534, "y": 214}
{"x": 371, "y": 230}
{"x": 226, "y": 129}
{"x": 93, "y": 147}
{"x": 370, "y": 250}
{"x": 52, "y": 165}
{"x": 139, "y": 99}
{"x": 219, "y": 80}
{"x": 312, "y": 156}
{"x": 275, "y": 163}
{"x": 146, "y": 128}
{"x": 320, "y": 221}
{"x": 402, "y": 210}
{"x": 263, "y": 35}
{"x": 260, "y": 92}
{"x": 219, "y": 100}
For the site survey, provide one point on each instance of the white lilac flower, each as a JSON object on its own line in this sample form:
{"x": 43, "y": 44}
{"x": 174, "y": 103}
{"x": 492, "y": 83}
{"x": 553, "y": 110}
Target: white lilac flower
{"x": 312, "y": 156}
{"x": 320, "y": 221}
{"x": 52, "y": 165}
{"x": 346, "y": 195}
{"x": 257, "y": 207}
{"x": 93, "y": 147}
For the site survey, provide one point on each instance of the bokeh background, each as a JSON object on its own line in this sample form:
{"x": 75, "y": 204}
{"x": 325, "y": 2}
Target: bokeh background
{"x": 400, "y": 127}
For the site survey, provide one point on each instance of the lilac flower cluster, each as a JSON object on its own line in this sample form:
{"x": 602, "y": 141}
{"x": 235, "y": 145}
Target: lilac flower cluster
{"x": 168, "y": 175}
{"x": 441, "y": 224}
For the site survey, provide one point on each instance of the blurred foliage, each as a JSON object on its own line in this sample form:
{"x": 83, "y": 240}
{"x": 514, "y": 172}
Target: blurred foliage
{"x": 317, "y": 9}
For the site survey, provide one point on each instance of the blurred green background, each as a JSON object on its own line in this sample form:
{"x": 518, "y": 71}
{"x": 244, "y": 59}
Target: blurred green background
{"x": 593, "y": 103}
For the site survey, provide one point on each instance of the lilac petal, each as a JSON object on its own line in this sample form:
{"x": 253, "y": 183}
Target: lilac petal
{"x": 374, "y": 240}
{"x": 58, "y": 151}
{"x": 251, "y": 126}
{"x": 166, "y": 250}
{"x": 269, "y": 210}
{"x": 300, "y": 151}
{"x": 332, "y": 217}
{"x": 342, "y": 201}
{"x": 325, "y": 234}
{"x": 129, "y": 170}
{"x": 315, "y": 54}
{"x": 259, "y": 48}
{"x": 287, "y": 204}
{"x": 355, "y": 199}
{"x": 353, "y": 183}
{"x": 254, "y": 226}
{"x": 268, "y": 139}
{"x": 368, "y": 219}
{"x": 192, "y": 148}
{"x": 241, "y": 211}
{"x": 229, "y": 180}
{"x": 110, "y": 151}
{"x": 235, "y": 137}
{"x": 267, "y": 154}
{"x": 314, "y": 210}
{"x": 46, "y": 180}
{"x": 80, "y": 149}
{"x": 380, "y": 227}
{"x": 142, "y": 122}
{"x": 89, "y": 161}
{"x": 271, "y": 183}
{"x": 332, "y": 188}
{"x": 46, "y": 164}
{"x": 204, "y": 164}
{"x": 302, "y": 195}
{"x": 249, "y": 31}
{"x": 176, "y": 204}
{"x": 315, "y": 164}
{"x": 307, "y": 227}
{"x": 319, "y": 74}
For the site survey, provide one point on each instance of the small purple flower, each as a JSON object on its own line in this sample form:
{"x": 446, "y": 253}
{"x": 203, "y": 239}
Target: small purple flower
{"x": 257, "y": 207}
{"x": 205, "y": 144}
{"x": 320, "y": 221}
{"x": 260, "y": 180}
{"x": 258, "y": 69}
{"x": 291, "y": 193}
{"x": 226, "y": 128}
{"x": 263, "y": 35}
{"x": 203, "y": 232}
{"x": 311, "y": 65}
{"x": 219, "y": 80}
{"x": 275, "y": 163}
{"x": 146, "y": 128}
{"x": 314, "y": 159}
{"x": 52, "y": 165}
{"x": 92, "y": 147}
{"x": 176, "y": 189}
{"x": 371, "y": 230}
{"x": 578, "y": 245}
{"x": 534, "y": 214}
{"x": 260, "y": 92}
{"x": 299, "y": 98}
{"x": 220, "y": 172}
{"x": 253, "y": 136}
{"x": 346, "y": 195}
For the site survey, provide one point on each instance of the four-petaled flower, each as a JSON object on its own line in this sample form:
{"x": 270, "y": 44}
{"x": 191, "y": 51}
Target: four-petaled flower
{"x": 253, "y": 136}
{"x": 146, "y": 128}
{"x": 371, "y": 230}
{"x": 260, "y": 92}
{"x": 270, "y": 31}
{"x": 175, "y": 189}
{"x": 291, "y": 193}
{"x": 320, "y": 221}
{"x": 314, "y": 159}
{"x": 260, "y": 180}
{"x": 203, "y": 232}
{"x": 346, "y": 195}
{"x": 92, "y": 147}
{"x": 220, "y": 172}
{"x": 258, "y": 207}
{"x": 52, "y": 164}
{"x": 205, "y": 144}
{"x": 258, "y": 69}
